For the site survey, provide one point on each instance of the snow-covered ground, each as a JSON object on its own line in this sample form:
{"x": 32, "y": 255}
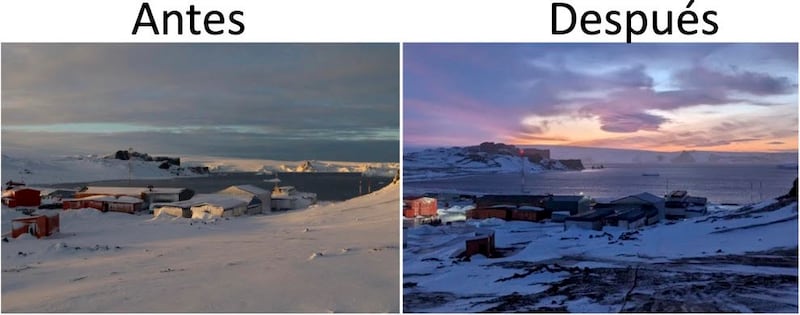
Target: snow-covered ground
{"x": 67, "y": 169}
{"x": 732, "y": 260}
{"x": 268, "y": 166}
{"x": 340, "y": 257}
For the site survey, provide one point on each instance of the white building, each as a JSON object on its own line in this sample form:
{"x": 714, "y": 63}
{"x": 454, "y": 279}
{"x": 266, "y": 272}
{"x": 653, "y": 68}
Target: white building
{"x": 258, "y": 200}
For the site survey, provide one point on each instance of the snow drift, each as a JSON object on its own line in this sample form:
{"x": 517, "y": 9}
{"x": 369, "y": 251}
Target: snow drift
{"x": 116, "y": 262}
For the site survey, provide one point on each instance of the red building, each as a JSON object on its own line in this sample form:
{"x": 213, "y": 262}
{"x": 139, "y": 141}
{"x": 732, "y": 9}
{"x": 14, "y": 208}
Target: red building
{"x": 498, "y": 211}
{"x": 419, "y": 206}
{"x": 510, "y": 212}
{"x": 105, "y": 203}
{"x": 22, "y": 197}
{"x": 529, "y": 213}
{"x": 482, "y": 243}
{"x": 39, "y": 226}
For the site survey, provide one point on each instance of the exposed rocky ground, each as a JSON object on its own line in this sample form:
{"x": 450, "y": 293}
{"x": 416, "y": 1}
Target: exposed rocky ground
{"x": 678, "y": 286}
{"x": 740, "y": 260}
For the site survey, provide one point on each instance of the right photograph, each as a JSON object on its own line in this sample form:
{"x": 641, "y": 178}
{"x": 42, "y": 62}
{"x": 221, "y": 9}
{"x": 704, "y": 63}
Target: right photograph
{"x": 602, "y": 178}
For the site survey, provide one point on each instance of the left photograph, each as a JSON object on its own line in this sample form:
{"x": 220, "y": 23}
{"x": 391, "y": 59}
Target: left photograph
{"x": 200, "y": 177}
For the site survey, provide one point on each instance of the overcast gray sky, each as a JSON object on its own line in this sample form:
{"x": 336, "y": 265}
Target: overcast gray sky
{"x": 272, "y": 101}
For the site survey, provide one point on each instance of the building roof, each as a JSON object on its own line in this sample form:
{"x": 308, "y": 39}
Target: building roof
{"x": 645, "y": 196}
{"x": 120, "y": 199}
{"x": 677, "y": 194}
{"x": 225, "y": 203}
{"x": 481, "y": 233}
{"x": 51, "y": 191}
{"x": 530, "y": 208}
{"x": 416, "y": 197}
{"x": 631, "y": 215}
{"x": 501, "y": 206}
{"x": 164, "y": 190}
{"x": 130, "y": 191}
{"x": 593, "y": 215}
{"x": 697, "y": 200}
{"x": 566, "y": 198}
{"x": 110, "y": 190}
{"x": 15, "y": 189}
{"x": 221, "y": 200}
{"x": 250, "y": 188}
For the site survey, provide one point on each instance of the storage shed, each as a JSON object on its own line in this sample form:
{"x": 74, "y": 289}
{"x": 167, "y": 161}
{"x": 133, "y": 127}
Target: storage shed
{"x": 631, "y": 218}
{"x": 39, "y": 226}
{"x": 219, "y": 207}
{"x": 22, "y": 197}
{"x": 419, "y": 206}
{"x": 149, "y": 195}
{"x": 530, "y": 213}
{"x": 258, "y": 199}
{"x": 173, "y": 209}
{"x": 574, "y": 204}
{"x": 487, "y": 201}
{"x": 497, "y": 211}
{"x": 125, "y": 204}
{"x": 165, "y": 194}
{"x": 645, "y": 198}
{"x": 482, "y": 243}
{"x": 593, "y": 220}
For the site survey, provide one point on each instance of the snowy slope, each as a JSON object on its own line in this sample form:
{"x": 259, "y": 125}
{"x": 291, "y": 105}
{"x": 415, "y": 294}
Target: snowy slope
{"x": 66, "y": 169}
{"x": 340, "y": 257}
{"x": 608, "y": 155}
{"x": 456, "y": 161}
{"x": 269, "y": 166}
{"x": 715, "y": 263}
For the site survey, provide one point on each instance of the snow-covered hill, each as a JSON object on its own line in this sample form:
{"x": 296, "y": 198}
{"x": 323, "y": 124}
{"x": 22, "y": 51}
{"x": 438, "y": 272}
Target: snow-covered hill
{"x": 216, "y": 164}
{"x": 458, "y": 161}
{"x": 66, "y": 169}
{"x": 742, "y": 260}
{"x": 593, "y": 156}
{"x": 340, "y": 257}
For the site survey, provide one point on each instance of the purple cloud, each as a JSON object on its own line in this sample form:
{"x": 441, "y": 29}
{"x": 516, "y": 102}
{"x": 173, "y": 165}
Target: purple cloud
{"x": 756, "y": 83}
{"x": 631, "y": 122}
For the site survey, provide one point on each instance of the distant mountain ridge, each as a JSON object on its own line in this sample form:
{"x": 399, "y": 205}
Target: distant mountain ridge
{"x": 487, "y": 157}
{"x": 593, "y": 156}
{"x": 82, "y": 168}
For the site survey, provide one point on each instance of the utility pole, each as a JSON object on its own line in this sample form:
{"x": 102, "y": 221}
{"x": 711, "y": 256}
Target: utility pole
{"x": 130, "y": 165}
{"x": 522, "y": 171}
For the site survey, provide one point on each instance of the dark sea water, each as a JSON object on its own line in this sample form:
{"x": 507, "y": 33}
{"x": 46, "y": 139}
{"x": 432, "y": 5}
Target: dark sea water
{"x": 328, "y": 186}
{"x": 738, "y": 184}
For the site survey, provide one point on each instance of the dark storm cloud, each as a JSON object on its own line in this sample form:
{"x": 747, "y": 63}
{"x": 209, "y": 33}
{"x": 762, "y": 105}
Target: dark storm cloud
{"x": 324, "y": 92}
